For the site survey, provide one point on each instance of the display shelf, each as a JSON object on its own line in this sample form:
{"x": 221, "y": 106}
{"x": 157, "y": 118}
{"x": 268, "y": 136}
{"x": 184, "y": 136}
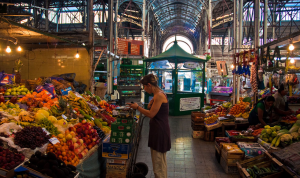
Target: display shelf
{"x": 129, "y": 80}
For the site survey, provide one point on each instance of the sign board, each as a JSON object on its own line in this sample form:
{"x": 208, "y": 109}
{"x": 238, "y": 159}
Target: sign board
{"x": 130, "y": 47}
{"x": 192, "y": 103}
{"x": 99, "y": 48}
{"x": 222, "y": 68}
{"x": 65, "y": 91}
{"x": 191, "y": 65}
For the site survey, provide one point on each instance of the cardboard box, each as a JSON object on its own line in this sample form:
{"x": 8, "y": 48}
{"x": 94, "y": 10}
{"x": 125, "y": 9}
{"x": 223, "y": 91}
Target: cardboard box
{"x": 198, "y": 134}
{"x": 115, "y": 150}
{"x": 116, "y": 168}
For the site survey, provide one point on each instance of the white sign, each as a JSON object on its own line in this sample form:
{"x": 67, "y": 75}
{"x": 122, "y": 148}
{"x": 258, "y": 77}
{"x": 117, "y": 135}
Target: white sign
{"x": 54, "y": 140}
{"x": 191, "y": 65}
{"x": 187, "y": 104}
{"x": 65, "y": 117}
{"x": 46, "y": 131}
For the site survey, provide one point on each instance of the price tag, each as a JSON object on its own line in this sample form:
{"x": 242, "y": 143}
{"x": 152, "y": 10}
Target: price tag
{"x": 74, "y": 111}
{"x": 92, "y": 118}
{"x": 65, "y": 117}
{"x": 46, "y": 131}
{"x": 54, "y": 140}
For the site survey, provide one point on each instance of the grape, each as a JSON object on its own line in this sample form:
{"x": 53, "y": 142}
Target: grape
{"x": 31, "y": 137}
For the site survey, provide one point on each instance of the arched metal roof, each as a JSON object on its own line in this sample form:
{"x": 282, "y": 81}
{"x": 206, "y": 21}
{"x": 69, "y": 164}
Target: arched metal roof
{"x": 179, "y": 12}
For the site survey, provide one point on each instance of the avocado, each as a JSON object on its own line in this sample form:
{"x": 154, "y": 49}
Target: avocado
{"x": 51, "y": 155}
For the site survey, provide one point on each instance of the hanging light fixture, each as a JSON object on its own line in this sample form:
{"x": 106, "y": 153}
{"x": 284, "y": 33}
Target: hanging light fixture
{"x": 19, "y": 49}
{"x": 291, "y": 47}
{"x": 77, "y": 54}
{"x": 292, "y": 61}
{"x": 8, "y": 49}
{"x": 232, "y": 66}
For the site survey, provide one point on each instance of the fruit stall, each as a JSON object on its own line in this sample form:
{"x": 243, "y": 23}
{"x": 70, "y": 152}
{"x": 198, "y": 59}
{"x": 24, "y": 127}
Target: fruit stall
{"x": 55, "y": 131}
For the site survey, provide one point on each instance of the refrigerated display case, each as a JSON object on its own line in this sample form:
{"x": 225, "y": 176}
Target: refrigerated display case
{"x": 129, "y": 86}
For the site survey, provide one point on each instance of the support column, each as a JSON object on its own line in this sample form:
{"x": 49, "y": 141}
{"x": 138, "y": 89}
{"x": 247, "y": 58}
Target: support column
{"x": 103, "y": 19}
{"x": 46, "y": 15}
{"x": 200, "y": 46}
{"x": 143, "y": 24}
{"x": 35, "y": 14}
{"x": 206, "y": 33}
{"x": 265, "y": 21}
{"x": 116, "y": 26}
{"x": 91, "y": 42}
{"x": 256, "y": 23}
{"x": 240, "y": 41}
{"x": 57, "y": 19}
{"x": 209, "y": 25}
{"x": 234, "y": 49}
{"x": 148, "y": 34}
{"x": 273, "y": 20}
{"x": 110, "y": 59}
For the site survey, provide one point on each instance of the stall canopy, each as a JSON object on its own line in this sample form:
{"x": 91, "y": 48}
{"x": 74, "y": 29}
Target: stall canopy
{"x": 175, "y": 52}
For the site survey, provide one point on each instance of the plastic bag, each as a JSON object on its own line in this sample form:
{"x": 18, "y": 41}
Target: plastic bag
{"x": 9, "y": 129}
{"x": 69, "y": 76}
{"x": 7, "y": 79}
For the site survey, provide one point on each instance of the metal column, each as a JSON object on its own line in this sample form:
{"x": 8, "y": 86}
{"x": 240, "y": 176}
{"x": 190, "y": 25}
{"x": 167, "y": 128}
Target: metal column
{"x": 256, "y": 24}
{"x": 116, "y": 26}
{"x": 265, "y": 21}
{"x": 234, "y": 49}
{"x": 109, "y": 62}
{"x": 143, "y": 24}
{"x": 209, "y": 25}
{"x": 206, "y": 33}
{"x": 103, "y": 19}
{"x": 46, "y": 15}
{"x": 91, "y": 42}
{"x": 273, "y": 20}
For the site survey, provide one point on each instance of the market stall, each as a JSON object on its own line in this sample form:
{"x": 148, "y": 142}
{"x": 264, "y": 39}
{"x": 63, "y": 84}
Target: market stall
{"x": 181, "y": 76}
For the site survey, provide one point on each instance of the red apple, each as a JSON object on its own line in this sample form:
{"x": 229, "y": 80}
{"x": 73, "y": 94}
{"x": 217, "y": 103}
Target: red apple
{"x": 71, "y": 147}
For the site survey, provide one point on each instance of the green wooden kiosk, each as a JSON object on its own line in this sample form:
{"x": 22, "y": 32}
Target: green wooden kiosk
{"x": 181, "y": 76}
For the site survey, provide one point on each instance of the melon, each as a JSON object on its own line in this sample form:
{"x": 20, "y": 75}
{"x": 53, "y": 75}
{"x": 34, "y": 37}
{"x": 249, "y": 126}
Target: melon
{"x": 46, "y": 113}
{"x": 52, "y": 119}
{"x": 39, "y": 116}
{"x": 298, "y": 116}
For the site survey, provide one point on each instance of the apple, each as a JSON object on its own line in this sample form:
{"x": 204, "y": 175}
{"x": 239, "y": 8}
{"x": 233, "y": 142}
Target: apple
{"x": 64, "y": 140}
{"x": 77, "y": 151}
{"x": 74, "y": 140}
{"x": 73, "y": 134}
{"x": 71, "y": 147}
{"x": 83, "y": 121}
{"x": 80, "y": 156}
{"x": 81, "y": 141}
{"x": 67, "y": 132}
{"x": 76, "y": 145}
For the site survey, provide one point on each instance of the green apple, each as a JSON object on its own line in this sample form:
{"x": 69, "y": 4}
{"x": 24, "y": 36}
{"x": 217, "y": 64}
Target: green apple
{"x": 6, "y": 93}
{"x": 18, "y": 93}
{"x": 13, "y": 93}
{"x": 8, "y": 90}
{"x": 23, "y": 93}
{"x": 24, "y": 89}
{"x": 13, "y": 90}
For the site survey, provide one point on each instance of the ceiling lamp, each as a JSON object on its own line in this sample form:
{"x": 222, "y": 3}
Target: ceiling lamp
{"x": 8, "y": 49}
{"x": 291, "y": 47}
{"x": 19, "y": 49}
{"x": 77, "y": 54}
{"x": 292, "y": 60}
{"x": 232, "y": 66}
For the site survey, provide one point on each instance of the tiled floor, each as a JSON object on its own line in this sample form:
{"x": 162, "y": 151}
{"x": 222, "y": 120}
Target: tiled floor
{"x": 190, "y": 158}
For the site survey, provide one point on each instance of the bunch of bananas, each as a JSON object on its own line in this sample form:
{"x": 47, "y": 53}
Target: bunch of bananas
{"x": 245, "y": 115}
{"x": 24, "y": 118}
{"x": 79, "y": 103}
{"x": 211, "y": 119}
{"x": 55, "y": 112}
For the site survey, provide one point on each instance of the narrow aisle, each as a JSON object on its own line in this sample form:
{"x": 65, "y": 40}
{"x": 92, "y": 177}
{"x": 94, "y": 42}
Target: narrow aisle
{"x": 191, "y": 158}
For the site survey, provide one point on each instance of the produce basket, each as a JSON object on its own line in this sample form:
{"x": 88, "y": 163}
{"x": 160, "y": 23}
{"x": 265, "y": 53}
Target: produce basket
{"x": 263, "y": 161}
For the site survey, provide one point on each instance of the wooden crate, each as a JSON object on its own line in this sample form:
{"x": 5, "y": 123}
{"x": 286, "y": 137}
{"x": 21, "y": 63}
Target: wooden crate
{"x": 226, "y": 155}
{"x": 198, "y": 126}
{"x": 260, "y": 161}
{"x": 227, "y": 168}
{"x": 217, "y": 146}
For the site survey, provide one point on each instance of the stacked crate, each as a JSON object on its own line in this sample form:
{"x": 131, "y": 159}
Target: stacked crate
{"x": 230, "y": 158}
{"x": 120, "y": 144}
{"x": 197, "y": 123}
